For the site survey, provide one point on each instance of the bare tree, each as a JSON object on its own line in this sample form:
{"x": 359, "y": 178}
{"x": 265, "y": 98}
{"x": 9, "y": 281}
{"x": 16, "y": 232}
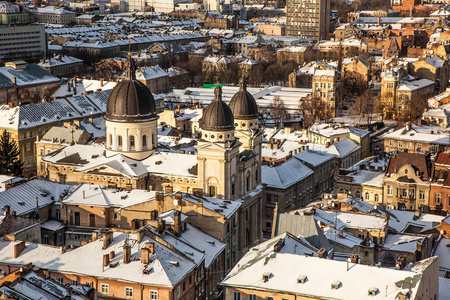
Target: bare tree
{"x": 312, "y": 108}
{"x": 363, "y": 106}
{"x": 278, "y": 110}
{"x": 412, "y": 110}
{"x": 108, "y": 69}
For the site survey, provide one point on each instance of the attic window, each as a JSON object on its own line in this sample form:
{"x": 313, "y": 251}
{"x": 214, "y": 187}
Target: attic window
{"x": 335, "y": 284}
{"x": 373, "y": 291}
{"x": 266, "y": 276}
{"x": 302, "y": 279}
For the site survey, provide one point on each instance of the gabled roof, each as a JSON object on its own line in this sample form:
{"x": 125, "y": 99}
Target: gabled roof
{"x": 302, "y": 225}
{"x": 419, "y": 161}
{"x": 24, "y": 197}
{"x": 286, "y": 174}
{"x": 86, "y": 260}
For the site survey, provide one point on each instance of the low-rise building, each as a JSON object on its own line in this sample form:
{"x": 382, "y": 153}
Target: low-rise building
{"x": 287, "y": 186}
{"x": 323, "y": 165}
{"x": 325, "y": 88}
{"x": 122, "y": 265}
{"x": 417, "y": 139}
{"x": 440, "y": 185}
{"x": 406, "y": 183}
{"x": 327, "y": 133}
{"x": 155, "y": 78}
{"x": 63, "y": 66}
{"x": 319, "y": 278}
{"x": 52, "y": 15}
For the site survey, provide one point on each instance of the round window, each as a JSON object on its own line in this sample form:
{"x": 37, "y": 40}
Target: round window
{"x": 243, "y": 124}
{"x": 206, "y": 135}
{"x": 228, "y": 136}
{"x": 212, "y": 136}
{"x": 236, "y": 124}
{"x": 251, "y": 124}
{"x": 220, "y": 136}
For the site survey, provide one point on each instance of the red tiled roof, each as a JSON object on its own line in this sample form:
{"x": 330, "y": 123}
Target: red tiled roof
{"x": 443, "y": 159}
{"x": 416, "y": 160}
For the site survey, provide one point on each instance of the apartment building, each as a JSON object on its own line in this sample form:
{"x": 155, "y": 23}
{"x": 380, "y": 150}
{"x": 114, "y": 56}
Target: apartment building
{"x": 308, "y": 19}
{"x": 26, "y": 42}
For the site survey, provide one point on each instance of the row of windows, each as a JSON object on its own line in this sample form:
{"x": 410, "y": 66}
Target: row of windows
{"x": 237, "y": 296}
{"x": 129, "y": 292}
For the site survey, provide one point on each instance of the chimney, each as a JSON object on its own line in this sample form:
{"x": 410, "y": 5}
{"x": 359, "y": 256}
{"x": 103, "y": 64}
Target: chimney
{"x": 177, "y": 223}
{"x": 401, "y": 263}
{"x": 198, "y": 192}
{"x": 105, "y": 260}
{"x": 94, "y": 236}
{"x": 161, "y": 226}
{"x": 354, "y": 259}
{"x": 278, "y": 246}
{"x": 160, "y": 202}
{"x": 145, "y": 254}
{"x": 13, "y": 213}
{"x": 107, "y": 239}
{"x": 18, "y": 248}
{"x": 328, "y": 144}
{"x": 140, "y": 234}
{"x": 101, "y": 82}
{"x": 112, "y": 254}
{"x": 14, "y": 80}
{"x": 7, "y": 209}
{"x": 322, "y": 253}
{"x": 151, "y": 247}
{"x": 126, "y": 253}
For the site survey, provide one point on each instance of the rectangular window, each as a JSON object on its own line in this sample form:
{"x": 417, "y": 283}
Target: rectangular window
{"x": 389, "y": 190}
{"x": 236, "y": 296}
{"x": 400, "y": 144}
{"x": 409, "y": 146}
{"x": 75, "y": 282}
{"x": 153, "y": 295}
{"x": 60, "y": 280}
{"x": 178, "y": 291}
{"x": 105, "y": 288}
{"x": 58, "y": 214}
{"x": 128, "y": 292}
{"x": 419, "y": 147}
{"x": 275, "y": 198}
{"x": 391, "y": 143}
{"x": 45, "y": 239}
{"x": 251, "y": 297}
{"x": 421, "y": 195}
{"x": 269, "y": 298}
{"x": 438, "y": 198}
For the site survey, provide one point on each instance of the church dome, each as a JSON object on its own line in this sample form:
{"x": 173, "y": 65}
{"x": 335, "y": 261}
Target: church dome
{"x": 130, "y": 100}
{"x": 243, "y": 105}
{"x": 218, "y": 115}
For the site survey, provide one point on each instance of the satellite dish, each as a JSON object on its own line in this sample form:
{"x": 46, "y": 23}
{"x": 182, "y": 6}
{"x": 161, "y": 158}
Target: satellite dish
{"x": 175, "y": 202}
{"x": 69, "y": 211}
{"x": 375, "y": 207}
{"x": 442, "y": 232}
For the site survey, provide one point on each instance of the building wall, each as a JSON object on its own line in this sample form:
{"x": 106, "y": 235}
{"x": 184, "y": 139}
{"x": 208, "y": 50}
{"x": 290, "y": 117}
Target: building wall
{"x": 417, "y": 196}
{"x": 312, "y": 21}
{"x": 22, "y": 42}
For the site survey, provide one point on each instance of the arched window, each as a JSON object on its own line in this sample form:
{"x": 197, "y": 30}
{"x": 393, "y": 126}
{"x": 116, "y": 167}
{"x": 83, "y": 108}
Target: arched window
{"x": 144, "y": 141}
{"x": 110, "y": 140}
{"x": 358, "y": 194}
{"x": 366, "y": 196}
{"x": 376, "y": 197}
{"x": 119, "y": 141}
{"x": 132, "y": 142}
{"x": 212, "y": 191}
